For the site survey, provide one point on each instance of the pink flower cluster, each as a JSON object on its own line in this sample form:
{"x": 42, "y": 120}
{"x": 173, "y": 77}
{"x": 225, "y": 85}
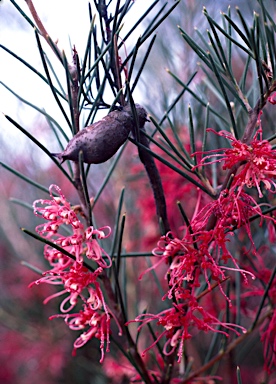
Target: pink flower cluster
{"x": 179, "y": 320}
{"x": 203, "y": 256}
{"x": 79, "y": 282}
{"x": 256, "y": 161}
{"x": 197, "y": 255}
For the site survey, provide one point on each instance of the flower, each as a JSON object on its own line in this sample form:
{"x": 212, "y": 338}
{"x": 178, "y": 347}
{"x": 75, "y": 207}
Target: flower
{"x": 118, "y": 370}
{"x": 97, "y": 324}
{"x": 202, "y": 249}
{"x": 178, "y": 321}
{"x": 272, "y": 98}
{"x": 79, "y": 281}
{"x": 94, "y": 251}
{"x": 80, "y": 242}
{"x": 57, "y": 210}
{"x": 75, "y": 281}
{"x": 256, "y": 161}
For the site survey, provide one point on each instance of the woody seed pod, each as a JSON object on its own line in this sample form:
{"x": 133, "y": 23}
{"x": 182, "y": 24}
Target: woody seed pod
{"x": 101, "y": 140}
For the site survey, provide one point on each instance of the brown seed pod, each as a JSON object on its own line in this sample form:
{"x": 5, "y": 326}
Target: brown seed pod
{"x": 101, "y": 140}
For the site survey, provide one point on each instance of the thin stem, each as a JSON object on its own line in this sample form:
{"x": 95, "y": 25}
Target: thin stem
{"x": 126, "y": 336}
{"x": 79, "y": 182}
{"x": 264, "y": 298}
{"x": 117, "y": 69}
{"x": 54, "y": 245}
{"x": 42, "y": 29}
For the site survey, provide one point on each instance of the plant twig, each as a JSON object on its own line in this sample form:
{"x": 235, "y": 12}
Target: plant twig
{"x": 76, "y": 114}
{"x": 42, "y": 29}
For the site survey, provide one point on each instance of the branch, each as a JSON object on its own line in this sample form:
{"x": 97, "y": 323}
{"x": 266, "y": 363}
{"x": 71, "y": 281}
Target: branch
{"x": 126, "y": 339}
{"x": 42, "y": 29}
{"x": 79, "y": 181}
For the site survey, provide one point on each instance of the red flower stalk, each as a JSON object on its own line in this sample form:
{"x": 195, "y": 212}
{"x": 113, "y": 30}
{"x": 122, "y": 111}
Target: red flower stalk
{"x": 82, "y": 241}
{"x": 180, "y": 321}
{"x": 57, "y": 210}
{"x": 98, "y": 324}
{"x": 74, "y": 281}
{"x": 200, "y": 251}
{"x": 79, "y": 283}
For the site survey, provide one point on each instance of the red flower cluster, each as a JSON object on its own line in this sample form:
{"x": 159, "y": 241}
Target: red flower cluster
{"x": 178, "y": 321}
{"x": 256, "y": 161}
{"x": 203, "y": 254}
{"x": 78, "y": 282}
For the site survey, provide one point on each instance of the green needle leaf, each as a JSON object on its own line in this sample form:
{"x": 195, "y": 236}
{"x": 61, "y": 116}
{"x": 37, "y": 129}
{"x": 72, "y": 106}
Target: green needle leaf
{"x": 35, "y": 141}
